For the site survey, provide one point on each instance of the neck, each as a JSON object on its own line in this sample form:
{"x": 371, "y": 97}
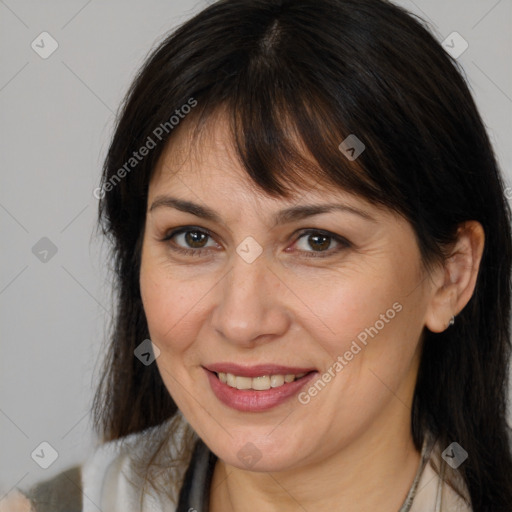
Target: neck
{"x": 374, "y": 473}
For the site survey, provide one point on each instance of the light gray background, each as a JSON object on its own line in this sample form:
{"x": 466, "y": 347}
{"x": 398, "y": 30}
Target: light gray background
{"x": 57, "y": 118}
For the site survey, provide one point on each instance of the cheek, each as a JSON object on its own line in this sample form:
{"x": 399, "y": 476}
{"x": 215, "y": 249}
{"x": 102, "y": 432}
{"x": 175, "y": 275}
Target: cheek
{"x": 371, "y": 319}
{"x": 172, "y": 306}
{"x": 174, "y": 315}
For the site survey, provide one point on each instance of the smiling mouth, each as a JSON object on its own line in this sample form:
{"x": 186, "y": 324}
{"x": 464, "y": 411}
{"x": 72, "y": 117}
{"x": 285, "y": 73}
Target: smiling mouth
{"x": 256, "y": 388}
{"x": 262, "y": 383}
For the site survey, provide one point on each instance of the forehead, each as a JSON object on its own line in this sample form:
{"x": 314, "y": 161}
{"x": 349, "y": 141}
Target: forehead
{"x": 203, "y": 161}
{"x": 202, "y": 171}
{"x": 204, "y": 158}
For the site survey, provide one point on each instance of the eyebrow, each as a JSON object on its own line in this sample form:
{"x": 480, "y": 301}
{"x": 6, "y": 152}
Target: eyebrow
{"x": 185, "y": 206}
{"x": 287, "y": 215}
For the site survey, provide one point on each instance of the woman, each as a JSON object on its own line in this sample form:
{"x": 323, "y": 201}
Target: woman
{"x": 309, "y": 225}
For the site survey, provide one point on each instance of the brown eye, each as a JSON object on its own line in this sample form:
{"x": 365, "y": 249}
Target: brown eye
{"x": 191, "y": 240}
{"x": 196, "y": 239}
{"x": 316, "y": 242}
{"x": 319, "y": 242}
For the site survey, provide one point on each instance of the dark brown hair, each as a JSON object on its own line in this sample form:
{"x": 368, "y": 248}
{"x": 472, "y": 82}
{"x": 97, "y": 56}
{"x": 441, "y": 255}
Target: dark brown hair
{"x": 326, "y": 69}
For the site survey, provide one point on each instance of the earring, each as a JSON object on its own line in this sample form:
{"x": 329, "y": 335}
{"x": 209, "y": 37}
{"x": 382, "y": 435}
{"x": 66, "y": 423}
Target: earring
{"x": 451, "y": 322}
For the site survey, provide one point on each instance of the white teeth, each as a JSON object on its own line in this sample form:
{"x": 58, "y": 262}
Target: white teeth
{"x": 257, "y": 383}
{"x": 261, "y": 383}
{"x": 243, "y": 382}
{"x": 231, "y": 380}
{"x": 276, "y": 381}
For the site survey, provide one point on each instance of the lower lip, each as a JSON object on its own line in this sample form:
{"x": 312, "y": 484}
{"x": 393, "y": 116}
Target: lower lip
{"x": 248, "y": 400}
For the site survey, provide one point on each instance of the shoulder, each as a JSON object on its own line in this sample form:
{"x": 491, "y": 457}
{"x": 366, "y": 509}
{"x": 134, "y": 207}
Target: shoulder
{"x": 135, "y": 472}
{"x": 119, "y": 476}
{"x": 61, "y": 493}
{"x": 441, "y": 487}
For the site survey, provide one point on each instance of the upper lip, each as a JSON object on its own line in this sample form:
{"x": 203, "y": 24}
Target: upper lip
{"x": 257, "y": 370}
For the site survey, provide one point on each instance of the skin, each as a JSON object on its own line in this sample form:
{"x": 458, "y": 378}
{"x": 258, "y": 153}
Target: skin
{"x": 350, "y": 447}
{"x": 15, "y": 502}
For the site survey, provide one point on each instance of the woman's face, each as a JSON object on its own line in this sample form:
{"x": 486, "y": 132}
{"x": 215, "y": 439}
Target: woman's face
{"x": 238, "y": 285}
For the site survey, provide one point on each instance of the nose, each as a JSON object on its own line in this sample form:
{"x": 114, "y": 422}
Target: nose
{"x": 250, "y": 307}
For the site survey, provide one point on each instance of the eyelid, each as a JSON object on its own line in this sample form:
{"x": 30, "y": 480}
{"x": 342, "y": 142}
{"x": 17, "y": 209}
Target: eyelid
{"x": 183, "y": 229}
{"x": 324, "y": 232}
{"x": 188, "y": 251}
{"x": 341, "y": 241}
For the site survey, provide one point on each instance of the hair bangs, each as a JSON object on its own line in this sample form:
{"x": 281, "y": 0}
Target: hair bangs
{"x": 286, "y": 140}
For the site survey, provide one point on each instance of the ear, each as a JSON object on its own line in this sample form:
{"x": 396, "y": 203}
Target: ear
{"x": 454, "y": 281}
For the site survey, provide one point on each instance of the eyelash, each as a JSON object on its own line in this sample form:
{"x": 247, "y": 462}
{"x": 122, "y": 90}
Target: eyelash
{"x": 343, "y": 243}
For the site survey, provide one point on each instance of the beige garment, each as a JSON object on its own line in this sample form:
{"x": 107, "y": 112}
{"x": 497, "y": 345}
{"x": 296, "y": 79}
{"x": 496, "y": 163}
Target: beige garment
{"x": 437, "y": 487}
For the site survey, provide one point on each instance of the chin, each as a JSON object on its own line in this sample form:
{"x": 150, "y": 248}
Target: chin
{"x": 260, "y": 454}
